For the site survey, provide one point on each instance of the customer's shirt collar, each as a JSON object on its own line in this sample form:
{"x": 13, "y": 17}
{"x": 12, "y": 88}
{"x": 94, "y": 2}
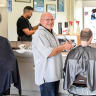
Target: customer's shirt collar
{"x": 47, "y": 29}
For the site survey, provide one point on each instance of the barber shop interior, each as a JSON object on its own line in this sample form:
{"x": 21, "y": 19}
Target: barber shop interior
{"x": 47, "y": 47}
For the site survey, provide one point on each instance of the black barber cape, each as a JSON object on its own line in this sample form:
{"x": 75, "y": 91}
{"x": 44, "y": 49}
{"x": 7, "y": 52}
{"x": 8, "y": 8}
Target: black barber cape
{"x": 9, "y": 72}
{"x": 80, "y": 60}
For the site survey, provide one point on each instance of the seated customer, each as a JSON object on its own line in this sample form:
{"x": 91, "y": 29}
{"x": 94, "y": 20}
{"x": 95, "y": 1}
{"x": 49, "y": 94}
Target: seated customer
{"x": 9, "y": 72}
{"x": 80, "y": 67}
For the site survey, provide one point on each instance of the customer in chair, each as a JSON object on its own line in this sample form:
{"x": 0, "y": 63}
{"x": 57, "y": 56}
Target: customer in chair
{"x": 80, "y": 67}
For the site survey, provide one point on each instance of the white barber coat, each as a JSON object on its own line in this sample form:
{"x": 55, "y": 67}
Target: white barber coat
{"x": 46, "y": 69}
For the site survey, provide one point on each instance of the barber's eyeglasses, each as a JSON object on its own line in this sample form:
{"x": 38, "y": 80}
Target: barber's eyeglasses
{"x": 49, "y": 20}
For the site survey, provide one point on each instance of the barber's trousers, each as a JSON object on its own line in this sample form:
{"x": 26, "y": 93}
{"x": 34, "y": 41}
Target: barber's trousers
{"x": 50, "y": 89}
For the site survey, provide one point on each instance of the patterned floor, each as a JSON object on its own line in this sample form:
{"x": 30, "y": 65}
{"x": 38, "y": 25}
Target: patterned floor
{"x": 35, "y": 94}
{"x": 32, "y": 93}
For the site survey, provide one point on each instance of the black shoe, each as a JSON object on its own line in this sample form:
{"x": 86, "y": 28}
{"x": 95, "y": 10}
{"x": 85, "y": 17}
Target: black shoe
{"x": 1, "y": 94}
{"x": 6, "y": 92}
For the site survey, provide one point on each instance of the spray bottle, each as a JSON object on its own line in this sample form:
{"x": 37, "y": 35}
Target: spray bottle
{"x": 78, "y": 28}
{"x": 71, "y": 30}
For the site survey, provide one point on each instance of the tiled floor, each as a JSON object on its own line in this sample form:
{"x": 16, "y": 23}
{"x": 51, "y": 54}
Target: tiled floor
{"x": 32, "y": 93}
{"x": 36, "y": 94}
{"x": 26, "y": 93}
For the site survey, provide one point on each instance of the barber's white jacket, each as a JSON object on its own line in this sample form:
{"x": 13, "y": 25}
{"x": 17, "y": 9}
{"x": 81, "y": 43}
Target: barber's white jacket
{"x": 46, "y": 69}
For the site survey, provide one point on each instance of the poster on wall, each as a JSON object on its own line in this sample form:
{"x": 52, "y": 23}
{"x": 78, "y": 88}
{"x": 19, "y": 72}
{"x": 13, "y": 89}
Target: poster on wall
{"x": 50, "y": 0}
{"x": 9, "y": 5}
{"x": 60, "y": 5}
{"x": 38, "y": 5}
{"x": 52, "y": 9}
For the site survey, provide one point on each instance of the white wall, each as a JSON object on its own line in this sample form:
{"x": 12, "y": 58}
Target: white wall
{"x": 17, "y": 8}
{"x": 2, "y": 3}
{"x": 4, "y": 21}
{"x": 79, "y": 5}
{"x": 89, "y": 3}
{"x": 17, "y": 11}
{"x": 78, "y": 14}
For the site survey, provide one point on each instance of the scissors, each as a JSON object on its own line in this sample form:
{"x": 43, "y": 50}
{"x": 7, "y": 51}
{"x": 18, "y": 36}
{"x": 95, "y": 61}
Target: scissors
{"x": 66, "y": 39}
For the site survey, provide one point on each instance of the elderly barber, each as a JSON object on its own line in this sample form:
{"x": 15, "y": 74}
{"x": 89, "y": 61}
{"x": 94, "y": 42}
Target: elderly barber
{"x": 47, "y": 56}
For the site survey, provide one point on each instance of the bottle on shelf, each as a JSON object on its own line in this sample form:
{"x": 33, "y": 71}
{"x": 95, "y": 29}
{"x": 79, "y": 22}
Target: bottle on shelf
{"x": 66, "y": 28}
{"x": 60, "y": 28}
{"x": 71, "y": 29}
{"x": 78, "y": 32}
{"x": 78, "y": 28}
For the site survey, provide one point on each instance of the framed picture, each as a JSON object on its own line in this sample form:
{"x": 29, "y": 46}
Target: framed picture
{"x": 50, "y": 0}
{"x": 38, "y": 5}
{"x": 9, "y": 5}
{"x": 26, "y": 1}
{"x": 52, "y": 9}
{"x": 60, "y": 5}
{"x": 60, "y": 27}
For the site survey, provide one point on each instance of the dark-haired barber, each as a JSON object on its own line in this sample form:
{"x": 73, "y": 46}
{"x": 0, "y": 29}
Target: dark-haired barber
{"x": 24, "y": 28}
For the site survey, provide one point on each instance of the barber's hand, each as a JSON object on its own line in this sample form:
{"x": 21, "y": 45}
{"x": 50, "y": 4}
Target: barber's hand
{"x": 68, "y": 45}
